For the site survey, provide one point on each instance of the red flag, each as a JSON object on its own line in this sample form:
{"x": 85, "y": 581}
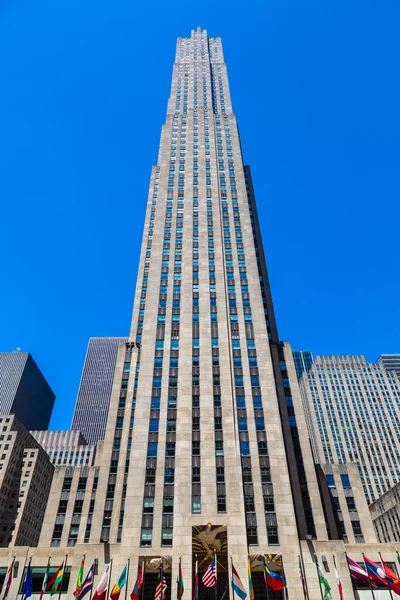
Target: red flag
{"x": 138, "y": 585}
{"x": 339, "y": 583}
{"x": 391, "y": 578}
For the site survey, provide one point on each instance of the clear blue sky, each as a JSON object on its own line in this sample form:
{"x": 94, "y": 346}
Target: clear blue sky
{"x": 84, "y": 88}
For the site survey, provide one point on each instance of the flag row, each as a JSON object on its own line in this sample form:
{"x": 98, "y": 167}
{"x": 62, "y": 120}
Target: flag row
{"x": 371, "y": 573}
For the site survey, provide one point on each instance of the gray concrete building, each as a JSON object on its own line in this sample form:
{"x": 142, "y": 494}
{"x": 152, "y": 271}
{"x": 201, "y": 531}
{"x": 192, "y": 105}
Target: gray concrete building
{"x": 24, "y": 390}
{"x": 206, "y": 447}
{"x": 353, "y": 415}
{"x": 66, "y": 447}
{"x": 385, "y": 513}
{"x": 25, "y": 479}
{"x": 390, "y": 362}
{"x": 303, "y": 360}
{"x": 93, "y": 401}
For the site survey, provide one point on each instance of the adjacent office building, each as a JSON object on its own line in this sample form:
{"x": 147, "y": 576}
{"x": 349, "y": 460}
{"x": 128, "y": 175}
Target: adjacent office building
{"x": 25, "y": 479}
{"x": 353, "y": 410}
{"x": 303, "y": 360}
{"x": 24, "y": 391}
{"x": 93, "y": 401}
{"x": 66, "y": 447}
{"x": 206, "y": 447}
{"x": 385, "y": 513}
{"x": 390, "y": 362}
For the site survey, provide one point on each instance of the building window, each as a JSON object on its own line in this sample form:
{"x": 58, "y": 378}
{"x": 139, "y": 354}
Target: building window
{"x": 166, "y": 537}
{"x": 252, "y": 538}
{"x": 152, "y": 449}
{"x": 146, "y": 537}
{"x": 272, "y": 533}
{"x": 196, "y": 504}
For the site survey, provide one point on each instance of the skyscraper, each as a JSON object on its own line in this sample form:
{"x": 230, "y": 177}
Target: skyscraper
{"x": 303, "y": 360}
{"x": 206, "y": 449}
{"x": 353, "y": 412}
{"x": 24, "y": 391}
{"x": 92, "y": 403}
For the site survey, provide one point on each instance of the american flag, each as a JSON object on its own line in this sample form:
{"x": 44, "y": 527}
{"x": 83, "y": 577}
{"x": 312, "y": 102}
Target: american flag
{"x": 210, "y": 576}
{"x": 161, "y": 587}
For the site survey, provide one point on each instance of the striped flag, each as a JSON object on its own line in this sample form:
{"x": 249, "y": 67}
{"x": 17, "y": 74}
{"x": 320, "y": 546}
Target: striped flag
{"x": 161, "y": 587}
{"x": 57, "y": 579}
{"x": 196, "y": 583}
{"x": 116, "y": 591}
{"x": 210, "y": 576}
{"x": 251, "y": 591}
{"x": 87, "y": 585}
{"x": 237, "y": 585}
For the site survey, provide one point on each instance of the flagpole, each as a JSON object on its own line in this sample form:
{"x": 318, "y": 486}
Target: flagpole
{"x": 196, "y": 582}
{"x": 284, "y": 579}
{"x": 22, "y": 582}
{"x": 127, "y": 577}
{"x": 265, "y": 577}
{"x": 109, "y": 578}
{"x": 319, "y": 581}
{"x": 233, "y": 591}
{"x": 45, "y": 576}
{"x": 26, "y": 576}
{"x": 383, "y": 568}
{"x": 337, "y": 575}
{"x": 369, "y": 579}
{"x": 161, "y": 578}
{"x": 143, "y": 581}
{"x": 62, "y": 578}
{"x": 91, "y": 589}
{"x": 351, "y": 578}
{"x": 216, "y": 577}
{"x": 23, "y": 570}
{"x": 303, "y": 576}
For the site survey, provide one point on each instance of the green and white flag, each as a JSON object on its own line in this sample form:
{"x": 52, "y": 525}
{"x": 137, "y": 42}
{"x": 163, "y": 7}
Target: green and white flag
{"x": 324, "y": 582}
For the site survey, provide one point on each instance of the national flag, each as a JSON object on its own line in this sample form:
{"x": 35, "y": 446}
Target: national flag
{"x": 28, "y": 583}
{"x": 102, "y": 588}
{"x": 115, "y": 592}
{"x": 303, "y": 581}
{"x": 79, "y": 578}
{"x": 324, "y": 582}
{"x": 375, "y": 571}
{"x": 87, "y": 585}
{"x": 251, "y": 591}
{"x": 391, "y": 578}
{"x": 196, "y": 582}
{"x": 161, "y": 587}
{"x": 56, "y": 580}
{"x": 209, "y": 578}
{"x": 180, "y": 588}
{"x": 7, "y": 581}
{"x": 138, "y": 585}
{"x": 339, "y": 583}
{"x": 358, "y": 572}
{"x": 274, "y": 580}
{"x": 45, "y": 580}
{"x": 237, "y": 585}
